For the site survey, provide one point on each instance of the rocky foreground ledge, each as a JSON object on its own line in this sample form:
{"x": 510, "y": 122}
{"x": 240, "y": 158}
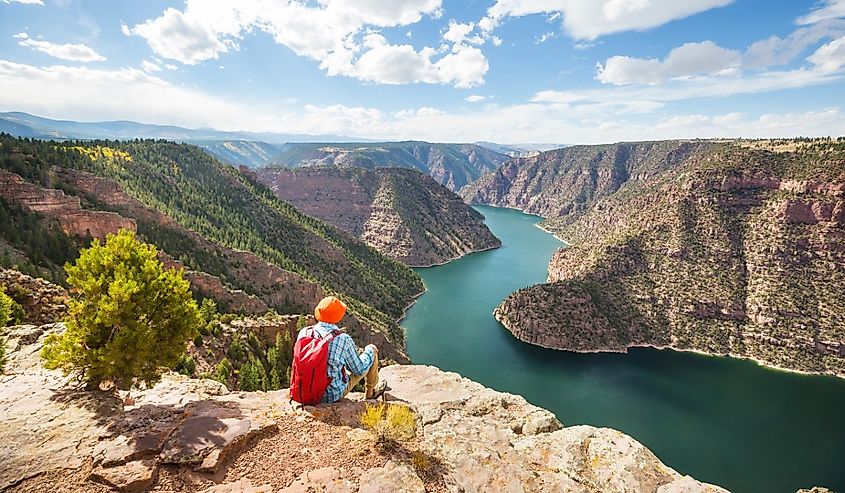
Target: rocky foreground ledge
{"x": 194, "y": 435}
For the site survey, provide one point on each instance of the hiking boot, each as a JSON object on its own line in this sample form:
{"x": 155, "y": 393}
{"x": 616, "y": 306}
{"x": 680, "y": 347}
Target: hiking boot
{"x": 379, "y": 390}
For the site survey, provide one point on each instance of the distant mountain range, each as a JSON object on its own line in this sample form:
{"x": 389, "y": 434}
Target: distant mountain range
{"x": 452, "y": 165}
{"x": 252, "y": 149}
{"x": 520, "y": 150}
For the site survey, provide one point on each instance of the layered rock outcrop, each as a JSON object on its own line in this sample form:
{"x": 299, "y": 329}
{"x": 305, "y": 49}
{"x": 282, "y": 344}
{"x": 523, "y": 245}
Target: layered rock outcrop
{"x": 731, "y": 252}
{"x": 195, "y": 435}
{"x": 42, "y": 302}
{"x": 68, "y": 210}
{"x": 402, "y": 213}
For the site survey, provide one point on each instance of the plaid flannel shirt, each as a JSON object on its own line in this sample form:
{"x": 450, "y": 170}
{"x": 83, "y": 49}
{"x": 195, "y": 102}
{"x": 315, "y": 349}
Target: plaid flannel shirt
{"x": 342, "y": 354}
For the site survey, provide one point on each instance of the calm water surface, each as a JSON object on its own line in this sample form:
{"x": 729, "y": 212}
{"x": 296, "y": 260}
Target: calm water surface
{"x": 724, "y": 421}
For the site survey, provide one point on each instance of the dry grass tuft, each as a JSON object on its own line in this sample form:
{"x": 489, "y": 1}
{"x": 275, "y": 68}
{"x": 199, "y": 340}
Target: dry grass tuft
{"x": 389, "y": 422}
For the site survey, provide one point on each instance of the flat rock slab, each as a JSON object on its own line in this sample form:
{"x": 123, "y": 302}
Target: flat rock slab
{"x": 394, "y": 477}
{"x": 131, "y": 477}
{"x": 46, "y": 426}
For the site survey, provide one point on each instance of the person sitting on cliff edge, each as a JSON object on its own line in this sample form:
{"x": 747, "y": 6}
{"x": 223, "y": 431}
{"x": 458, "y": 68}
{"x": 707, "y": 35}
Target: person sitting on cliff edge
{"x": 322, "y": 356}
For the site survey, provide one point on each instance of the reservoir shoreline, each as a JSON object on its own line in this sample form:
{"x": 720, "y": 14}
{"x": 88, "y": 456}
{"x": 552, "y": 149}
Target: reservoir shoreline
{"x": 723, "y": 420}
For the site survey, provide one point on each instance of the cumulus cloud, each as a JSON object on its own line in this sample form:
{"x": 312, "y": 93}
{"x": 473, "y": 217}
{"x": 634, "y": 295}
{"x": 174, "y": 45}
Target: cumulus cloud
{"x": 401, "y": 64}
{"x": 704, "y": 86}
{"x": 179, "y": 37}
{"x": 72, "y": 52}
{"x": 590, "y": 19}
{"x": 340, "y": 35}
{"x": 699, "y": 62}
{"x": 690, "y": 59}
{"x": 457, "y": 31}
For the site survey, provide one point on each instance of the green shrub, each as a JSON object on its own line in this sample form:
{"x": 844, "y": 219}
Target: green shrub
{"x": 237, "y": 351}
{"x": 17, "y": 315}
{"x": 198, "y": 340}
{"x": 252, "y": 376}
{"x": 187, "y": 365}
{"x": 6, "y": 308}
{"x": 128, "y": 317}
{"x": 223, "y": 372}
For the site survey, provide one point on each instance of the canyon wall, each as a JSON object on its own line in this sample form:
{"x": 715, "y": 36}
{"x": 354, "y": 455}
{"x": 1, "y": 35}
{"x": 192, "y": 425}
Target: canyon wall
{"x": 729, "y": 251}
{"x": 402, "y": 213}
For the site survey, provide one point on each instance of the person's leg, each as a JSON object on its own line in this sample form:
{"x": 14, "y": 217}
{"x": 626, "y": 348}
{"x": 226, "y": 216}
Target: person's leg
{"x": 371, "y": 378}
{"x": 369, "y": 384}
{"x": 353, "y": 381}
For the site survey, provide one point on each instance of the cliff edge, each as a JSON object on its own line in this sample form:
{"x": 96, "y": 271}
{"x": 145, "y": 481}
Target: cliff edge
{"x": 194, "y": 435}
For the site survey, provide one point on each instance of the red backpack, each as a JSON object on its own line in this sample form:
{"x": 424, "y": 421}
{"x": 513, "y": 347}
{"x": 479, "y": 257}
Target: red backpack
{"x": 309, "y": 377}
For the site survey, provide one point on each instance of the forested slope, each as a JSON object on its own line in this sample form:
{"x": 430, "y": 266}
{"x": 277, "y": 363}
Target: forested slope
{"x": 202, "y": 201}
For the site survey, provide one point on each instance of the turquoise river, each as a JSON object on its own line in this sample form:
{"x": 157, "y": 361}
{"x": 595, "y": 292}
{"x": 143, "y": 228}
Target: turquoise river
{"x": 721, "y": 420}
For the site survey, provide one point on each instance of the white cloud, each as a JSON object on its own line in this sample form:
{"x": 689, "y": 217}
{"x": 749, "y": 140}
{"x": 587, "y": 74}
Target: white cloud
{"x": 179, "y": 37}
{"x": 328, "y": 32}
{"x": 690, "y": 59}
{"x": 693, "y": 60}
{"x": 830, "y": 57}
{"x": 457, "y": 32}
{"x": 829, "y": 9}
{"x": 590, "y": 19}
{"x": 72, "y": 52}
{"x": 545, "y": 37}
{"x": 27, "y": 2}
{"x": 775, "y": 51}
{"x": 82, "y": 93}
{"x": 697, "y": 88}
{"x": 475, "y": 98}
{"x": 150, "y": 67}
{"x": 402, "y": 64}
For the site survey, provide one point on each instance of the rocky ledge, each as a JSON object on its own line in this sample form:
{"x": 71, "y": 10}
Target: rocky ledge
{"x": 195, "y": 435}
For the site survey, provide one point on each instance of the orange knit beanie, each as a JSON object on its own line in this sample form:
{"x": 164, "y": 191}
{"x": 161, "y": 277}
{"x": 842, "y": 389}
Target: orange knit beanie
{"x": 330, "y": 310}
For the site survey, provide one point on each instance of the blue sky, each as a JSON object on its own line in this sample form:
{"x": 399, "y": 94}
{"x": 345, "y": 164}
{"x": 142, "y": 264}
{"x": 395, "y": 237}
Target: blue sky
{"x": 562, "y": 71}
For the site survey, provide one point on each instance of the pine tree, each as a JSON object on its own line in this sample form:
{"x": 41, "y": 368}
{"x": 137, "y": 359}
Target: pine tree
{"x": 223, "y": 372}
{"x": 128, "y": 317}
{"x": 252, "y": 376}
